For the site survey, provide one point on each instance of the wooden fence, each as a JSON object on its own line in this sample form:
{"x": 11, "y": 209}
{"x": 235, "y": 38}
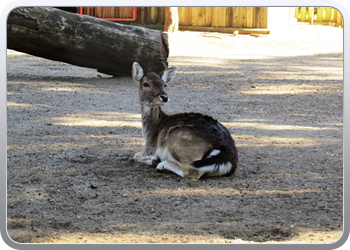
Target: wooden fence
{"x": 319, "y": 15}
{"x": 110, "y": 13}
{"x": 236, "y": 17}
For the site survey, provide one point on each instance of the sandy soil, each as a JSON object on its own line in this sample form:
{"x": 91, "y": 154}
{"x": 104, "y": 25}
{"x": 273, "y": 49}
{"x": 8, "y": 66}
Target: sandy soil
{"x": 72, "y": 133}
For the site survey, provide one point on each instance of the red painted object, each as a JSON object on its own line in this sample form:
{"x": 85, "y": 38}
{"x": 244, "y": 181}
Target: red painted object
{"x": 110, "y": 13}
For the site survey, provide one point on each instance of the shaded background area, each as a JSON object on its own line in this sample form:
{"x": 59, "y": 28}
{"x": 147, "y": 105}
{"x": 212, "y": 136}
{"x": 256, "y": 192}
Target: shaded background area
{"x": 72, "y": 133}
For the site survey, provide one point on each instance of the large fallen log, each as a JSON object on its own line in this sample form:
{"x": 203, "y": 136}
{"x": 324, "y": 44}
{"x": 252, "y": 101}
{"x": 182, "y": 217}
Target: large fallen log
{"x": 86, "y": 41}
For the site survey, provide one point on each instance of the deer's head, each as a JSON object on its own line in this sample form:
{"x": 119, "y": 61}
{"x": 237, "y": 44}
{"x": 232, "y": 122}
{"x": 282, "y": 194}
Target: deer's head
{"x": 151, "y": 85}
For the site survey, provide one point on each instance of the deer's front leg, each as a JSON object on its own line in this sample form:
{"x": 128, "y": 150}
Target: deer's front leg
{"x": 147, "y": 159}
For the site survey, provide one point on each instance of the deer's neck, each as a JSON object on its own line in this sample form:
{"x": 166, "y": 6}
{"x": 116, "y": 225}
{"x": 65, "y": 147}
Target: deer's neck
{"x": 152, "y": 117}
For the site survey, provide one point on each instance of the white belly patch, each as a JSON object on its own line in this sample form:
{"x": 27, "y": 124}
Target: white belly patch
{"x": 164, "y": 155}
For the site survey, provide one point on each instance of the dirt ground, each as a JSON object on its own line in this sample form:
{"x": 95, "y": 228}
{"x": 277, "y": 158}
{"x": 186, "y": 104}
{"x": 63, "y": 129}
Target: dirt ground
{"x": 72, "y": 134}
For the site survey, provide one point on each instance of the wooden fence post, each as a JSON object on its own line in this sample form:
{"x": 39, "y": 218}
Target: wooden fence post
{"x": 222, "y": 14}
{"x": 303, "y": 14}
{"x": 215, "y": 17}
{"x": 208, "y": 18}
{"x": 161, "y": 15}
{"x": 311, "y": 15}
{"x": 338, "y": 19}
{"x": 328, "y": 14}
{"x": 249, "y": 17}
{"x": 154, "y": 15}
{"x": 297, "y": 13}
{"x": 320, "y": 14}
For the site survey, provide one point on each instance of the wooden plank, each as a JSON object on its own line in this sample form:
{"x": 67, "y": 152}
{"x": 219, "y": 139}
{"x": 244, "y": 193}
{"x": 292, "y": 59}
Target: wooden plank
{"x": 140, "y": 15}
{"x": 161, "y": 15}
{"x": 105, "y": 12}
{"x": 261, "y": 17}
{"x": 208, "y": 14}
{"x": 303, "y": 14}
{"x": 125, "y": 13}
{"x": 154, "y": 15}
{"x": 112, "y": 12}
{"x": 183, "y": 16}
{"x": 98, "y": 12}
{"x": 297, "y": 13}
{"x": 119, "y": 12}
{"x": 242, "y": 16}
{"x": 195, "y": 15}
{"x": 333, "y": 13}
{"x": 328, "y": 14}
{"x": 249, "y": 17}
{"x": 116, "y": 12}
{"x": 311, "y": 15}
{"x": 335, "y": 16}
{"x": 339, "y": 18}
{"x": 255, "y": 13}
{"x": 218, "y": 16}
{"x": 202, "y": 16}
{"x": 188, "y": 17}
{"x": 130, "y": 12}
{"x": 181, "y": 12}
{"x": 146, "y": 15}
{"x": 222, "y": 17}
{"x": 229, "y": 13}
{"x": 320, "y": 14}
{"x": 342, "y": 22}
{"x": 215, "y": 17}
{"x": 235, "y": 17}
{"x": 122, "y": 12}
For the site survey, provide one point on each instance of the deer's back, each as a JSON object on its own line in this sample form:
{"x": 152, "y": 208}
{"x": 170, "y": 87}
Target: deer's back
{"x": 194, "y": 133}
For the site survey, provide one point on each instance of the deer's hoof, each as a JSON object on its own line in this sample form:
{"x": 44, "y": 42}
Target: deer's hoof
{"x": 160, "y": 167}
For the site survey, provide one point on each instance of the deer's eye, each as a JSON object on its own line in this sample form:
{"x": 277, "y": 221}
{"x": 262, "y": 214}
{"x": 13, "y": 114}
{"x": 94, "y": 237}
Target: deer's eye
{"x": 146, "y": 85}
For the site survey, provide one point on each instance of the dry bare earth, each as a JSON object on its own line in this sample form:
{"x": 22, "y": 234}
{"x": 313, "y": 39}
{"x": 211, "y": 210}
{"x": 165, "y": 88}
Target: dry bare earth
{"x": 72, "y": 134}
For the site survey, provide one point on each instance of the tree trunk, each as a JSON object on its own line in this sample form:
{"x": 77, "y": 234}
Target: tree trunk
{"x": 85, "y": 41}
{"x": 171, "y": 19}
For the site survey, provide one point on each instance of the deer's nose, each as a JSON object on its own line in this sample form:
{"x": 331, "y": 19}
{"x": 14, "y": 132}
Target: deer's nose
{"x": 164, "y": 98}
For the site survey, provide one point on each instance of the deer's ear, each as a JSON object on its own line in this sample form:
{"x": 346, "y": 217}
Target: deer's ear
{"x": 137, "y": 72}
{"x": 169, "y": 74}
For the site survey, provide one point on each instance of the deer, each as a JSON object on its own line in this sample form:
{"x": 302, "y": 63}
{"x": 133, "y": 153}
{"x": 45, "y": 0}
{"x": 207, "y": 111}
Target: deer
{"x": 190, "y": 145}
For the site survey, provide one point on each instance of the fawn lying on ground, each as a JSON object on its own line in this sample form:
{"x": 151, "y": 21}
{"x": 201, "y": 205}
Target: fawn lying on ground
{"x": 188, "y": 144}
